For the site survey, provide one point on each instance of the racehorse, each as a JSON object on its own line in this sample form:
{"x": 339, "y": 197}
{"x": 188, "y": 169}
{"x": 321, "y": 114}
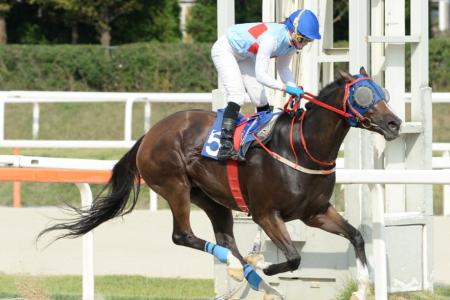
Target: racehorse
{"x": 168, "y": 158}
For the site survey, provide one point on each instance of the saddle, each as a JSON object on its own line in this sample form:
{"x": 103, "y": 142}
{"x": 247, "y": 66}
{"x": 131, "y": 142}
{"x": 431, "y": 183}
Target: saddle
{"x": 261, "y": 124}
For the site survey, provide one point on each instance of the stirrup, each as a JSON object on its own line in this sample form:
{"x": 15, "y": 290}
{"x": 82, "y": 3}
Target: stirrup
{"x": 229, "y": 153}
{"x": 225, "y": 155}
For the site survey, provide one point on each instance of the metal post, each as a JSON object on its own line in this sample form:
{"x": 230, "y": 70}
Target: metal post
{"x": 326, "y": 18}
{"x": 358, "y": 145}
{"x": 394, "y": 83}
{"x": 359, "y": 54}
{"x": 269, "y": 15}
{"x": 419, "y": 147}
{"x": 88, "y": 246}
{"x": 309, "y": 57}
{"x": 225, "y": 18}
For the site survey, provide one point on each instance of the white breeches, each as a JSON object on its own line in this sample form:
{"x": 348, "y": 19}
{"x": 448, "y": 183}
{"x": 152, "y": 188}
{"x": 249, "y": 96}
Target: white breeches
{"x": 237, "y": 74}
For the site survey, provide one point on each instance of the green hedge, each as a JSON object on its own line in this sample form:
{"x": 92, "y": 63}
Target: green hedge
{"x": 439, "y": 65}
{"x": 146, "y": 67}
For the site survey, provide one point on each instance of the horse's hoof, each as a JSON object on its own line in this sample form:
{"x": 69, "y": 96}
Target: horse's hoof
{"x": 236, "y": 273}
{"x": 256, "y": 261}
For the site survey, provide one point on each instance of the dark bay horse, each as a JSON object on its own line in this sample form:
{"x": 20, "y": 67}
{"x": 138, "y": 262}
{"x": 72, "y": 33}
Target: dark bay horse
{"x": 168, "y": 159}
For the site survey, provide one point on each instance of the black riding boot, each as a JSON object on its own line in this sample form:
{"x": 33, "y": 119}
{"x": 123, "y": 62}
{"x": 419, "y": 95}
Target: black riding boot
{"x": 226, "y": 150}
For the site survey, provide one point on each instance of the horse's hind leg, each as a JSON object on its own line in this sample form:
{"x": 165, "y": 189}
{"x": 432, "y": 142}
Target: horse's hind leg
{"x": 333, "y": 222}
{"x": 222, "y": 222}
{"x": 177, "y": 191}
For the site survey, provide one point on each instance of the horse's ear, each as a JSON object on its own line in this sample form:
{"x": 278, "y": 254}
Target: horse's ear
{"x": 363, "y": 72}
{"x": 347, "y": 76}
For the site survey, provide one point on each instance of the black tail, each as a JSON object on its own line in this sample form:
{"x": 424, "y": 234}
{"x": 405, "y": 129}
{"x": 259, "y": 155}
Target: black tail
{"x": 125, "y": 180}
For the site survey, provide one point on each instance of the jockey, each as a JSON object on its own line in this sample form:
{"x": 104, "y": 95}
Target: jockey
{"x": 242, "y": 58}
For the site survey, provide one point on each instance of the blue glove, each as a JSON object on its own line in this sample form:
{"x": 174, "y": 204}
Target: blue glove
{"x": 295, "y": 91}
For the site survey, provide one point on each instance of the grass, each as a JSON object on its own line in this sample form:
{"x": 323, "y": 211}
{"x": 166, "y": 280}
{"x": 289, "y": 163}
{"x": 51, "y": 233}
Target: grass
{"x": 106, "y": 287}
{"x": 140, "y": 288}
{"x": 440, "y": 293}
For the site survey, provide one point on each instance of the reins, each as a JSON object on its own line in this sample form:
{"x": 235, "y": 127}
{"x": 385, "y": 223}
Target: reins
{"x": 293, "y": 106}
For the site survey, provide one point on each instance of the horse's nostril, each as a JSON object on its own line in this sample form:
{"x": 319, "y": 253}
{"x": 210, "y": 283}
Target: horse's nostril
{"x": 394, "y": 126}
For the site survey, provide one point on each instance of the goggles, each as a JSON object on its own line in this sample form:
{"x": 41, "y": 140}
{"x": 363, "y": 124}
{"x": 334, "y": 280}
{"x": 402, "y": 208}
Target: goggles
{"x": 300, "y": 38}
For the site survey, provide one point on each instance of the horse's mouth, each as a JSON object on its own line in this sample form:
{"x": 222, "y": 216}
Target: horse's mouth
{"x": 390, "y": 130}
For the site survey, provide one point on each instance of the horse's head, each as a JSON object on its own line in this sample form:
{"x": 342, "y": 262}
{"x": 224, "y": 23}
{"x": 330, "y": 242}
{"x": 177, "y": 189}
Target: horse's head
{"x": 367, "y": 102}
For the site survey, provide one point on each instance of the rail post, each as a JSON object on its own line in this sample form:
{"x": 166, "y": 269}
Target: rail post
{"x": 88, "y": 246}
{"x": 379, "y": 244}
{"x": 128, "y": 118}
{"x": 36, "y": 113}
{"x": 446, "y": 193}
{"x": 17, "y": 201}
{"x": 147, "y": 116}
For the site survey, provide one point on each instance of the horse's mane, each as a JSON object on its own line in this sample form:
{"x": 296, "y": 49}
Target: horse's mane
{"x": 325, "y": 93}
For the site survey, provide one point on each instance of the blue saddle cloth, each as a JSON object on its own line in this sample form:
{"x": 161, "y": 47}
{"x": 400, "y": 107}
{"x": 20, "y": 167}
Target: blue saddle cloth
{"x": 253, "y": 124}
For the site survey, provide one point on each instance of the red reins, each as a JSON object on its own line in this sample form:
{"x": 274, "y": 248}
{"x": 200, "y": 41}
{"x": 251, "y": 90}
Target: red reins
{"x": 293, "y": 106}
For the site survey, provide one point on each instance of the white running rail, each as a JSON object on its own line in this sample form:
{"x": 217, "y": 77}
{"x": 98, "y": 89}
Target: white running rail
{"x": 343, "y": 176}
{"x": 37, "y": 97}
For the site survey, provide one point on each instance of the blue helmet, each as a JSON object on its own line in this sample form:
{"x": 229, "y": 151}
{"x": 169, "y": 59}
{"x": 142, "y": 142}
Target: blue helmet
{"x": 305, "y": 23}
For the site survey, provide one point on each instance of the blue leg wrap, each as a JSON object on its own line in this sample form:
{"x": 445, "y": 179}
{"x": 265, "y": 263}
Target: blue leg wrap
{"x": 252, "y": 277}
{"x": 219, "y": 252}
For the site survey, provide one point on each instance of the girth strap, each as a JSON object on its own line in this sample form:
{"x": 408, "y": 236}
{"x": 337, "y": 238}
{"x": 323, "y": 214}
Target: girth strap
{"x": 233, "y": 173}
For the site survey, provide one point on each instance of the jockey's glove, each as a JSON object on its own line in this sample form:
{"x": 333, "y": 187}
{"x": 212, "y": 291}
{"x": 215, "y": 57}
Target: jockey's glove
{"x": 295, "y": 91}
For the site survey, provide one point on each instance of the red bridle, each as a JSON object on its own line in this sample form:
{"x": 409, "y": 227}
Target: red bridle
{"x": 293, "y": 106}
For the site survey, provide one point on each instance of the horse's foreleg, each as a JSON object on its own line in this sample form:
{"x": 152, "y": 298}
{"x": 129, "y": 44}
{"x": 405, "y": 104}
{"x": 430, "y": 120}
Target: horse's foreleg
{"x": 331, "y": 221}
{"x": 275, "y": 228}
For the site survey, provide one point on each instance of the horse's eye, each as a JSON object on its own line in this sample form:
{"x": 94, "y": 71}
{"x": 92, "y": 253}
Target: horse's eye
{"x": 387, "y": 96}
{"x": 363, "y": 96}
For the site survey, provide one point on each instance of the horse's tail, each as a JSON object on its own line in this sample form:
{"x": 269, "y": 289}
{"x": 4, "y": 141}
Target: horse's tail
{"x": 125, "y": 180}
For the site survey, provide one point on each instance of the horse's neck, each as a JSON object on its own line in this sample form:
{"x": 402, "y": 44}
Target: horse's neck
{"x": 325, "y": 130}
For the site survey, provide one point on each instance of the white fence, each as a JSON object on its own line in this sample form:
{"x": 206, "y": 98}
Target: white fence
{"x": 372, "y": 177}
{"x": 35, "y": 98}
{"x": 129, "y": 99}
{"x": 91, "y": 97}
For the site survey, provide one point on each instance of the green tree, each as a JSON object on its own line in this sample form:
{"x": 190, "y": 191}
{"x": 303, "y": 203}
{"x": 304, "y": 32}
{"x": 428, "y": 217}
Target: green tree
{"x": 5, "y": 7}
{"x": 99, "y": 13}
{"x": 157, "y": 20}
{"x": 202, "y": 25}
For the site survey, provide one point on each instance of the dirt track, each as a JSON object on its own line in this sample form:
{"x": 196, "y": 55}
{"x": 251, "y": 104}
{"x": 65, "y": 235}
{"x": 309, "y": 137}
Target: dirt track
{"x": 139, "y": 244}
